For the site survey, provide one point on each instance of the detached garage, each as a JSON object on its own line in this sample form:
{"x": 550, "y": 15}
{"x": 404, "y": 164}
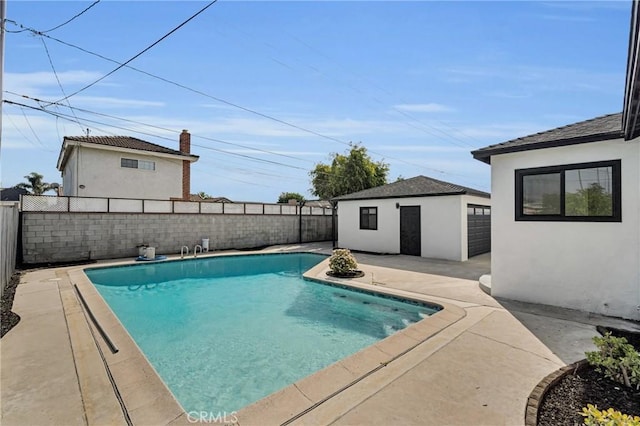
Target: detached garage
{"x": 420, "y": 216}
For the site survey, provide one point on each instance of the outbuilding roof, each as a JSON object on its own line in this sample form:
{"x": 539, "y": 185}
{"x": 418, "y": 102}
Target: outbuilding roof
{"x": 593, "y": 130}
{"x": 419, "y": 186}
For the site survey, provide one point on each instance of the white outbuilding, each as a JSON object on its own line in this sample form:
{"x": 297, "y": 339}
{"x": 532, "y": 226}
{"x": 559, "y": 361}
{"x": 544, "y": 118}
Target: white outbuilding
{"x": 419, "y": 216}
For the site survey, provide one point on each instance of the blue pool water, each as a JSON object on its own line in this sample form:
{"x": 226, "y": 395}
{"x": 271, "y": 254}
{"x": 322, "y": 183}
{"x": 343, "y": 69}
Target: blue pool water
{"x": 223, "y": 332}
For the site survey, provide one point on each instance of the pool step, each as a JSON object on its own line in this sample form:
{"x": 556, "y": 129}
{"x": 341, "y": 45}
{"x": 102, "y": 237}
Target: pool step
{"x": 485, "y": 284}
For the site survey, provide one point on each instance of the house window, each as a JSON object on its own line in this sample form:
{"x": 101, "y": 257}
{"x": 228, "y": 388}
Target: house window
{"x": 574, "y": 192}
{"x": 475, "y": 210}
{"x": 368, "y": 218}
{"x": 137, "y": 164}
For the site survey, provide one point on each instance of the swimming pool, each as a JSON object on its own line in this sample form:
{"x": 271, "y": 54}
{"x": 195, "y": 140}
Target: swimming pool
{"x": 223, "y": 332}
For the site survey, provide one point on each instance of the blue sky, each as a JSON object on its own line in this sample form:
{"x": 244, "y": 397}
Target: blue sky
{"x": 420, "y": 84}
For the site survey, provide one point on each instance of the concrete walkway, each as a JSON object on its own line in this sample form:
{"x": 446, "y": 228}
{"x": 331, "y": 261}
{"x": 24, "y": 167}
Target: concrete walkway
{"x": 478, "y": 369}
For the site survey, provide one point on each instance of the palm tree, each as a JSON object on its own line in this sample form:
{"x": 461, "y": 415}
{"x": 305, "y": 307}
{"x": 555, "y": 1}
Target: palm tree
{"x": 35, "y": 185}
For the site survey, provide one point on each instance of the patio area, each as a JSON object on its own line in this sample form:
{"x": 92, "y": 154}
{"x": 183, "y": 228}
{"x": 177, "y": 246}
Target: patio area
{"x": 476, "y": 363}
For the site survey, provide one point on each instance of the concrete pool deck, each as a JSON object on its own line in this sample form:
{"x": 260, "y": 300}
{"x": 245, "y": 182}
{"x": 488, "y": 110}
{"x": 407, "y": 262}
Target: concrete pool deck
{"x": 474, "y": 363}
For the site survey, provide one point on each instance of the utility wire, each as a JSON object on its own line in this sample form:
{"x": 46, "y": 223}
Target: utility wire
{"x": 70, "y": 118}
{"x": 72, "y": 18}
{"x": 426, "y": 128}
{"x": 31, "y": 127}
{"x": 39, "y": 101}
{"x": 23, "y": 28}
{"x": 379, "y": 87}
{"x": 249, "y": 110}
{"x": 153, "y": 126}
{"x": 141, "y": 52}
{"x": 182, "y": 86}
{"x": 19, "y": 130}
{"x": 53, "y": 68}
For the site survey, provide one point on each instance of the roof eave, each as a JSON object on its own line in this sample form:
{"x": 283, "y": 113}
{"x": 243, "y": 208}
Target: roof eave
{"x": 631, "y": 107}
{"x": 386, "y": 197}
{"x": 181, "y": 156}
{"x": 485, "y": 154}
{"x": 63, "y": 157}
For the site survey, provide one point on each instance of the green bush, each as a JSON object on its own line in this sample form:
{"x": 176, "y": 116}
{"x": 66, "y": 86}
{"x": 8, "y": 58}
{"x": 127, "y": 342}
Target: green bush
{"x": 342, "y": 261}
{"x": 617, "y": 359}
{"x": 610, "y": 417}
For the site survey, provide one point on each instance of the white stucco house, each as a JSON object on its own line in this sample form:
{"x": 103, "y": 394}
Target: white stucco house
{"x": 566, "y": 218}
{"x": 420, "y": 216}
{"x": 566, "y": 210}
{"x": 125, "y": 167}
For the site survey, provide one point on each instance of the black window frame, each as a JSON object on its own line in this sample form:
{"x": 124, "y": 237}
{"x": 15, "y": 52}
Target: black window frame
{"x": 616, "y": 192}
{"x": 365, "y": 218}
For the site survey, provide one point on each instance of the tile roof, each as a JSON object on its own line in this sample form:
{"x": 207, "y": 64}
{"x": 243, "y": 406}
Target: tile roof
{"x": 126, "y": 142}
{"x": 197, "y": 197}
{"x": 12, "y": 194}
{"x": 594, "y": 130}
{"x": 414, "y": 187}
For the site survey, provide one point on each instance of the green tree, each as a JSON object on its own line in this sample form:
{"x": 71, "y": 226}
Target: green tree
{"x": 286, "y": 196}
{"x": 204, "y": 195}
{"x": 35, "y": 185}
{"x": 591, "y": 201}
{"x": 348, "y": 173}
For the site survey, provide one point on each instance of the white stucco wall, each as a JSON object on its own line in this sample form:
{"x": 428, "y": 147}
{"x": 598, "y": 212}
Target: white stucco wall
{"x": 443, "y": 225}
{"x": 590, "y": 266}
{"x": 69, "y": 184}
{"x": 100, "y": 172}
{"x": 386, "y": 239}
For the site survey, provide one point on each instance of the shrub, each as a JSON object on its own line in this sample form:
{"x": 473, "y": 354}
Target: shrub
{"x": 617, "y": 359}
{"x": 610, "y": 417}
{"x": 342, "y": 261}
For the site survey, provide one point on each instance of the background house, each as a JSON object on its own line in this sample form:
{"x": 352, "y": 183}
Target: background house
{"x": 420, "y": 216}
{"x": 125, "y": 167}
{"x": 12, "y": 194}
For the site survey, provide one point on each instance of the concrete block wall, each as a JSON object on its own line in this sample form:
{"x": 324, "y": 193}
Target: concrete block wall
{"x": 63, "y": 237}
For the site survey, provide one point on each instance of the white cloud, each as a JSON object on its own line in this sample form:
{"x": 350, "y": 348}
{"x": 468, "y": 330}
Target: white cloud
{"x": 534, "y": 79}
{"x": 97, "y": 102}
{"x": 430, "y": 107}
{"x": 31, "y": 83}
{"x": 420, "y": 148}
{"x": 566, "y": 18}
{"x": 509, "y": 95}
{"x": 500, "y": 132}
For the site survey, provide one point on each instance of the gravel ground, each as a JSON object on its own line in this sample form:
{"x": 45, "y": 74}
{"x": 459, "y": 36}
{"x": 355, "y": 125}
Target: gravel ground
{"x": 9, "y": 319}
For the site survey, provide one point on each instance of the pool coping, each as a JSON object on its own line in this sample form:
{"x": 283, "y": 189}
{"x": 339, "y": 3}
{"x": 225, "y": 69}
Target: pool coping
{"x": 147, "y": 399}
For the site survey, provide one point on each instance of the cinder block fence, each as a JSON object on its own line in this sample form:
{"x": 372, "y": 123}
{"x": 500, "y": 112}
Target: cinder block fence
{"x": 72, "y": 236}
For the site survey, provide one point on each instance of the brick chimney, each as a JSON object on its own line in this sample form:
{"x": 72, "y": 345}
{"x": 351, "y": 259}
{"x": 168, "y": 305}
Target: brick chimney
{"x": 185, "y": 148}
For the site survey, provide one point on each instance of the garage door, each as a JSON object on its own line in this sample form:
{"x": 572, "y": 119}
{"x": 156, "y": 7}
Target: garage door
{"x": 478, "y": 229}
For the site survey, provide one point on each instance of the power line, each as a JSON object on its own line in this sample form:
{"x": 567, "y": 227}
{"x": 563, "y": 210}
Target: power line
{"x": 19, "y": 130}
{"x": 31, "y": 127}
{"x": 429, "y": 129}
{"x": 249, "y": 110}
{"x": 53, "y": 68}
{"x": 40, "y": 101}
{"x": 69, "y": 118}
{"x": 196, "y": 91}
{"x": 379, "y": 87}
{"x": 73, "y": 17}
{"x": 141, "y": 52}
{"x": 195, "y": 135}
